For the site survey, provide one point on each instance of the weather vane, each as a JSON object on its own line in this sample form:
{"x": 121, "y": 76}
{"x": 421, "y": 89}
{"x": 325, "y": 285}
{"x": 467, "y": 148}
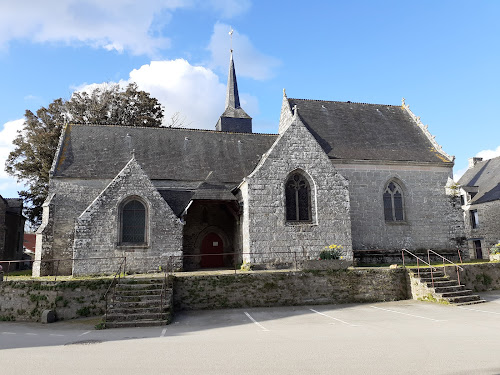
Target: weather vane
{"x": 231, "y": 35}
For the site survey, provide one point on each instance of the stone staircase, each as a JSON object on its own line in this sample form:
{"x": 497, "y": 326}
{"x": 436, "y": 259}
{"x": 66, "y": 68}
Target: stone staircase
{"x": 138, "y": 303}
{"x": 444, "y": 289}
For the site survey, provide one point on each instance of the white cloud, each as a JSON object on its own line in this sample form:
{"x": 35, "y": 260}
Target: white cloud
{"x": 230, "y": 8}
{"x": 249, "y": 62}
{"x": 485, "y": 154}
{"x": 194, "y": 91}
{"x": 489, "y": 154}
{"x": 118, "y": 25}
{"x": 8, "y": 184}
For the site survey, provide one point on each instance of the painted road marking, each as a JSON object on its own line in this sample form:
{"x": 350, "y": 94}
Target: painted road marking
{"x": 84, "y": 333}
{"x": 163, "y": 332}
{"x": 256, "y": 322}
{"x": 402, "y": 313}
{"x": 8, "y": 333}
{"x": 56, "y": 334}
{"x": 483, "y": 311}
{"x": 331, "y": 317}
{"x": 31, "y": 334}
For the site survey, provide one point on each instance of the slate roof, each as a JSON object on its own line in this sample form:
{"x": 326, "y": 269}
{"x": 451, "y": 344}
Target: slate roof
{"x": 101, "y": 151}
{"x": 359, "y": 131}
{"x": 486, "y": 176}
{"x": 14, "y": 205}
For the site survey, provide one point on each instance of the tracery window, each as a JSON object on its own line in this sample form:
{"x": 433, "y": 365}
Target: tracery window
{"x": 298, "y": 198}
{"x": 393, "y": 202}
{"x": 133, "y": 225}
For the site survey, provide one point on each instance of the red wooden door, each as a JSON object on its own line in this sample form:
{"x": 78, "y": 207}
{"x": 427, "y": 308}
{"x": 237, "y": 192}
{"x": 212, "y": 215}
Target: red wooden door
{"x": 211, "y": 251}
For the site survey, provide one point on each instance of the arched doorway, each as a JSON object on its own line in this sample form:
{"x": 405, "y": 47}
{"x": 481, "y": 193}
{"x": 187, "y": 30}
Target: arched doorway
{"x": 212, "y": 250}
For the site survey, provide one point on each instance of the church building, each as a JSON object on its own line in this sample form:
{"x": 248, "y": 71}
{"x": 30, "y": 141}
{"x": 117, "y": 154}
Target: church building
{"x": 362, "y": 176}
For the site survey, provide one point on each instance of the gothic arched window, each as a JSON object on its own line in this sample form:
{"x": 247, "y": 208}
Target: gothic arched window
{"x": 393, "y": 202}
{"x": 298, "y": 198}
{"x": 133, "y": 222}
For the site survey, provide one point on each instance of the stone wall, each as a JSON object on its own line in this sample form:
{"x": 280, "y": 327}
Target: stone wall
{"x": 488, "y": 230}
{"x": 97, "y": 229}
{"x": 258, "y": 289}
{"x": 67, "y": 199}
{"x": 3, "y": 229}
{"x": 432, "y": 218}
{"x": 265, "y": 229}
{"x": 25, "y": 300}
{"x": 477, "y": 277}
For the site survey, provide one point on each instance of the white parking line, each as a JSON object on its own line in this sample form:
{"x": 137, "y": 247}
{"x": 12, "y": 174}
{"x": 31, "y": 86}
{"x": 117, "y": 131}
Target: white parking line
{"x": 483, "y": 311}
{"x": 8, "y": 333}
{"x": 56, "y": 334}
{"x": 163, "y": 332}
{"x": 331, "y": 317}
{"x": 31, "y": 334}
{"x": 402, "y": 313}
{"x": 256, "y": 322}
{"x": 84, "y": 333}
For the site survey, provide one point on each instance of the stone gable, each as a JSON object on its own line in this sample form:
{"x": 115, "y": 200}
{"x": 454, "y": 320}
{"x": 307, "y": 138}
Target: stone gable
{"x": 265, "y": 229}
{"x": 97, "y": 228}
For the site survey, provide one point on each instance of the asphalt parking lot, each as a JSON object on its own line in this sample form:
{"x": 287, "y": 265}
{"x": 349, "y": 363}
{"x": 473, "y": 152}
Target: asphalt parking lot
{"x": 403, "y": 337}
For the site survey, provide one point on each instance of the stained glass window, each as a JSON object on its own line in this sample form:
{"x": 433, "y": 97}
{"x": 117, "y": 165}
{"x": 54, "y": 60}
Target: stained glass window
{"x": 298, "y": 198}
{"x": 133, "y": 222}
{"x": 393, "y": 202}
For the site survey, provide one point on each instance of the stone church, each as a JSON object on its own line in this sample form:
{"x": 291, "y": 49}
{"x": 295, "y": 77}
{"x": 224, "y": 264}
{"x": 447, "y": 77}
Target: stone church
{"x": 363, "y": 176}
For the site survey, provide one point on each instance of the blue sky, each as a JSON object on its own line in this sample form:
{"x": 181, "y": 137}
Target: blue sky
{"x": 442, "y": 56}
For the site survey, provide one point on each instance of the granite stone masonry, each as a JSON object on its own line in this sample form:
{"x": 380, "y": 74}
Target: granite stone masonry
{"x": 277, "y": 288}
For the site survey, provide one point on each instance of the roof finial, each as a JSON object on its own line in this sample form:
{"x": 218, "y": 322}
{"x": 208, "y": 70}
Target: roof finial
{"x": 403, "y": 102}
{"x": 231, "y": 35}
{"x": 133, "y": 153}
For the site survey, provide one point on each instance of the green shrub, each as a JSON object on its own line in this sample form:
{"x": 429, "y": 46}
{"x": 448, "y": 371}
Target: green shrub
{"x": 331, "y": 252}
{"x": 495, "y": 249}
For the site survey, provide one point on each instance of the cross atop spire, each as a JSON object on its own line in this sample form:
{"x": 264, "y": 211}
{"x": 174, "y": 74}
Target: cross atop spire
{"x": 234, "y": 118}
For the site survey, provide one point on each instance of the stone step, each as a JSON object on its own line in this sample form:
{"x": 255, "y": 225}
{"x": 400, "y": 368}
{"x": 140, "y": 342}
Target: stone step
{"x": 470, "y": 302}
{"x": 462, "y": 299}
{"x": 138, "y": 292}
{"x": 137, "y": 317}
{"x": 438, "y": 284}
{"x": 120, "y": 287}
{"x": 137, "y": 304}
{"x": 141, "y": 323}
{"x": 137, "y": 298}
{"x": 135, "y": 310}
{"x": 464, "y": 292}
{"x": 428, "y": 274}
{"x": 435, "y": 278}
{"x": 447, "y": 289}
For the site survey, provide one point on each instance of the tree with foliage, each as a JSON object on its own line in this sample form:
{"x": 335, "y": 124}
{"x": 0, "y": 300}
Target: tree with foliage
{"x": 36, "y": 144}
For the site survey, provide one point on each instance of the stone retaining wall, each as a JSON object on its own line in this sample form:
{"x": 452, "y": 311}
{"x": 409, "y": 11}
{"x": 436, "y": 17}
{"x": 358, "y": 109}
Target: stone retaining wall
{"x": 25, "y": 300}
{"x": 289, "y": 288}
{"x": 478, "y": 277}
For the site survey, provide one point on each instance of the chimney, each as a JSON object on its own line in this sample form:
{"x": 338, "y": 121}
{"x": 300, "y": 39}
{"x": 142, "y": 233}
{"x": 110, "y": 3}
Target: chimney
{"x": 474, "y": 161}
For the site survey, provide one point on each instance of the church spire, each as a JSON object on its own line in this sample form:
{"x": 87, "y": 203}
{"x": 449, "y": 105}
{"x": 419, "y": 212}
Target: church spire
{"x": 234, "y": 119}
{"x": 232, "y": 96}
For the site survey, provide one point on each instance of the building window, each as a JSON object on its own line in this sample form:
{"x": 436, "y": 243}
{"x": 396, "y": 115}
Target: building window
{"x": 298, "y": 198}
{"x": 474, "y": 219}
{"x": 393, "y": 202}
{"x": 133, "y": 225}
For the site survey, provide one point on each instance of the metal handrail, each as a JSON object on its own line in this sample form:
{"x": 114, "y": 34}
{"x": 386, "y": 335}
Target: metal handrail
{"x": 112, "y": 285}
{"x": 418, "y": 265}
{"x": 449, "y": 261}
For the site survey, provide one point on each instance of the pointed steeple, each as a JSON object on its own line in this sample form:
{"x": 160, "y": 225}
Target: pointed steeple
{"x": 234, "y": 119}
{"x": 232, "y": 97}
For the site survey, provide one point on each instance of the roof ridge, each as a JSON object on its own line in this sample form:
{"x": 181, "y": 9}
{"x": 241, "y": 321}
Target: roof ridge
{"x": 169, "y": 127}
{"x": 347, "y": 102}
